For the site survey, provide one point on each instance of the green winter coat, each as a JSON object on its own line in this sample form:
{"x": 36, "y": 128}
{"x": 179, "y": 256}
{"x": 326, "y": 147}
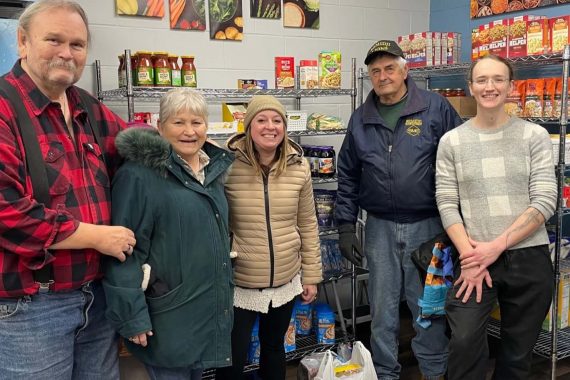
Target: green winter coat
{"x": 181, "y": 228}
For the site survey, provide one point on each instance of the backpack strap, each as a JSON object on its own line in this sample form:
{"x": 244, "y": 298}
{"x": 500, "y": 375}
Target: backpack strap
{"x": 35, "y": 163}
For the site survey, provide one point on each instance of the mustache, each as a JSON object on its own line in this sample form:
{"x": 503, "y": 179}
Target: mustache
{"x": 60, "y": 64}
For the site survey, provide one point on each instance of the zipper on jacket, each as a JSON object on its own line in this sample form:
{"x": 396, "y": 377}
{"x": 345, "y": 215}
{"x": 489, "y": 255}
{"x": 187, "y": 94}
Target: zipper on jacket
{"x": 269, "y": 235}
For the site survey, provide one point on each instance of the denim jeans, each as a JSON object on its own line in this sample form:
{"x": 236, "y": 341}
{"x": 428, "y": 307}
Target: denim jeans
{"x": 62, "y": 336}
{"x": 161, "y": 373}
{"x": 522, "y": 284}
{"x": 388, "y": 246}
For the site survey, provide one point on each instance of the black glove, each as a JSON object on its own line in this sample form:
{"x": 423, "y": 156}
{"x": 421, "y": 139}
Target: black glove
{"x": 349, "y": 244}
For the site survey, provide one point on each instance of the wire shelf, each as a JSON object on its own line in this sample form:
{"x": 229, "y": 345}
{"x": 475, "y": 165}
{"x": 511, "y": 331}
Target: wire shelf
{"x": 224, "y": 136}
{"x": 543, "y": 346}
{"x": 318, "y": 180}
{"x": 306, "y": 345}
{"x": 536, "y": 120}
{"x": 327, "y": 231}
{"x": 154, "y": 93}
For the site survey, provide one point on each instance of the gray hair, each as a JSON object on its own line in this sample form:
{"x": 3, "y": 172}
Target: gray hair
{"x": 399, "y": 60}
{"x": 183, "y": 99}
{"x": 40, "y": 6}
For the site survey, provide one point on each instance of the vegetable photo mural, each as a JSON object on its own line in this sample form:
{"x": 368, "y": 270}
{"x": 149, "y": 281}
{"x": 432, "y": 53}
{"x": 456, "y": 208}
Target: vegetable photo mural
{"x": 482, "y": 8}
{"x": 226, "y": 19}
{"x": 265, "y": 9}
{"x": 188, "y": 14}
{"x": 145, "y": 8}
{"x": 301, "y": 14}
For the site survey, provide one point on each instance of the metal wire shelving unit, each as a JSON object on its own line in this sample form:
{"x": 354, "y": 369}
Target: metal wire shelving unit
{"x": 305, "y": 345}
{"x": 553, "y": 344}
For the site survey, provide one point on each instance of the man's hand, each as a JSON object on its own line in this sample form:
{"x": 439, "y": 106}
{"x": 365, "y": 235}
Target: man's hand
{"x": 116, "y": 241}
{"x": 473, "y": 279}
{"x": 482, "y": 255}
{"x": 349, "y": 244}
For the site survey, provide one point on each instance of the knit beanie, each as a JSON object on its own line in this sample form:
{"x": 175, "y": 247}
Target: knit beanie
{"x": 262, "y": 103}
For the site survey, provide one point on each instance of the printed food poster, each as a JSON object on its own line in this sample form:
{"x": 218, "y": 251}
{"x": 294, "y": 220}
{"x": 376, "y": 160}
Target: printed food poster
{"x": 482, "y": 8}
{"x": 265, "y": 9}
{"x": 301, "y": 13}
{"x": 226, "y": 20}
{"x": 188, "y": 14}
{"x": 145, "y": 8}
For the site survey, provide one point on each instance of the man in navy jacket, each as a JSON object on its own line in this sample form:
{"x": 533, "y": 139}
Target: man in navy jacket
{"x": 386, "y": 166}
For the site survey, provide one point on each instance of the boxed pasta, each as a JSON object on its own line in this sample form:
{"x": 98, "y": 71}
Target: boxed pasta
{"x": 517, "y": 35}
{"x": 474, "y": 44}
{"x": 284, "y": 72}
{"x": 451, "y": 53}
{"x": 484, "y": 39}
{"x": 421, "y": 49}
{"x": 329, "y": 69}
{"x": 537, "y": 37}
{"x": 498, "y": 37}
{"x": 559, "y": 32}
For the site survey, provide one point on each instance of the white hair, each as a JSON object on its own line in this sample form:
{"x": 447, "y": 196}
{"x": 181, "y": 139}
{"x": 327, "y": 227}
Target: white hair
{"x": 183, "y": 99}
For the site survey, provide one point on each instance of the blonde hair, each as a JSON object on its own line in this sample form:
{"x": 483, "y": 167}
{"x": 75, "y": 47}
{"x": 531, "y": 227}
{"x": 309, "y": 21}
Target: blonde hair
{"x": 40, "y": 6}
{"x": 253, "y": 156}
{"x": 183, "y": 99}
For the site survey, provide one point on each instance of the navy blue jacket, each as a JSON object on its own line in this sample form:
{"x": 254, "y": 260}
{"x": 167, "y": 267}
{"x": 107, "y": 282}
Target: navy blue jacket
{"x": 389, "y": 174}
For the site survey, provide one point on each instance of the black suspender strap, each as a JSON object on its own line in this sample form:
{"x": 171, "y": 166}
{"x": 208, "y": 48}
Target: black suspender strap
{"x": 34, "y": 162}
{"x": 87, "y": 102}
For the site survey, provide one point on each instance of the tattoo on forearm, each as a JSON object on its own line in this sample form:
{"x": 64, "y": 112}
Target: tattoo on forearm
{"x": 532, "y": 217}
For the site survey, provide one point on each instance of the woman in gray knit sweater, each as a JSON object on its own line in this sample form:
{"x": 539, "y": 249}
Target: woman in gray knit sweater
{"x": 495, "y": 188}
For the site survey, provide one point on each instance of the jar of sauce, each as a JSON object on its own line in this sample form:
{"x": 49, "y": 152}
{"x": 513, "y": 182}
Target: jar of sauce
{"x": 134, "y": 66}
{"x": 162, "y": 76}
{"x": 188, "y": 71}
{"x": 327, "y": 162}
{"x": 145, "y": 71}
{"x": 175, "y": 73}
{"x": 122, "y": 72}
{"x": 458, "y": 92}
{"x": 447, "y": 92}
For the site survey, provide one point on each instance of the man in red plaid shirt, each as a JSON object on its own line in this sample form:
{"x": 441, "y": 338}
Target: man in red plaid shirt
{"x": 57, "y": 329}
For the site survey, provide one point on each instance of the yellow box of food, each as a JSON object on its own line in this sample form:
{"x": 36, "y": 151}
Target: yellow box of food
{"x": 559, "y": 28}
{"x": 329, "y": 69}
{"x": 537, "y": 37}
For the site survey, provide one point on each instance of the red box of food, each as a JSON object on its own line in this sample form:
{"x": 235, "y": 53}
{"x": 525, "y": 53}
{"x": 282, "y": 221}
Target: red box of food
{"x": 559, "y": 33}
{"x": 484, "y": 39}
{"x": 516, "y": 39}
{"x": 474, "y": 44}
{"x": 498, "y": 31}
{"x": 420, "y": 48}
{"x": 450, "y": 47}
{"x": 284, "y": 72}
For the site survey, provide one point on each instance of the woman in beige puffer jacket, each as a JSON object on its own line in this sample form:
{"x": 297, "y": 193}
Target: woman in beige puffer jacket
{"x": 275, "y": 235}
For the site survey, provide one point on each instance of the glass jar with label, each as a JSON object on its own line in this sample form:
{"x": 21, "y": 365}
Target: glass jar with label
{"x": 447, "y": 92}
{"x": 327, "y": 162}
{"x": 175, "y": 73}
{"x": 162, "y": 69}
{"x": 145, "y": 71}
{"x": 134, "y": 68}
{"x": 458, "y": 92}
{"x": 122, "y": 72}
{"x": 189, "y": 71}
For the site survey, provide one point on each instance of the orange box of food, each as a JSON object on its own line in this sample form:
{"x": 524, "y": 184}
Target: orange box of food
{"x": 537, "y": 37}
{"x": 284, "y": 72}
{"x": 517, "y": 35}
{"x": 559, "y": 31}
{"x": 498, "y": 31}
{"x": 484, "y": 39}
{"x": 474, "y": 44}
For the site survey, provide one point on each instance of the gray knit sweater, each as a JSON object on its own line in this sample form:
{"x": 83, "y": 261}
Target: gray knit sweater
{"x": 486, "y": 179}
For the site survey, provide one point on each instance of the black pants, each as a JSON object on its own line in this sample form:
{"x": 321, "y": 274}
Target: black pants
{"x": 523, "y": 284}
{"x": 272, "y": 329}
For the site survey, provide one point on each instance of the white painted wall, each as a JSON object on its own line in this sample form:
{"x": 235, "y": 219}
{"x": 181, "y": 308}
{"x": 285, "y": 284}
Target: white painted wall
{"x": 350, "y": 26}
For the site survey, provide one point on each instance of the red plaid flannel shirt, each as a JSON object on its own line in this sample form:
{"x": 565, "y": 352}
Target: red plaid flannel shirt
{"x": 79, "y": 189}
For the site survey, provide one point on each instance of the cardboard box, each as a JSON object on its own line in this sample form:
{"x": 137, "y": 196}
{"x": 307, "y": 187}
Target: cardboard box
{"x": 563, "y": 303}
{"x": 559, "y": 30}
{"x": 517, "y": 35}
{"x": 245, "y": 84}
{"x": 464, "y": 105}
{"x": 484, "y": 38}
{"x": 498, "y": 31}
{"x": 329, "y": 66}
{"x": 474, "y": 44}
{"x": 232, "y": 112}
{"x": 421, "y": 49}
{"x": 537, "y": 37}
{"x": 450, "y": 48}
{"x": 284, "y": 72}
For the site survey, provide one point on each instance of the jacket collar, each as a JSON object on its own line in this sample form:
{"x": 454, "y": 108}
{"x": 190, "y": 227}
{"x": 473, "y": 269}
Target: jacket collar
{"x": 236, "y": 144}
{"x": 415, "y": 103}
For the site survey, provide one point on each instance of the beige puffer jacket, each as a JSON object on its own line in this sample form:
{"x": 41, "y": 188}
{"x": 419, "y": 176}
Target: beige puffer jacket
{"x": 273, "y": 243}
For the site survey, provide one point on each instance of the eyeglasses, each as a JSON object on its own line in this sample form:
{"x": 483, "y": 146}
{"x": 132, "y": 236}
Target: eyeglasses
{"x": 500, "y": 81}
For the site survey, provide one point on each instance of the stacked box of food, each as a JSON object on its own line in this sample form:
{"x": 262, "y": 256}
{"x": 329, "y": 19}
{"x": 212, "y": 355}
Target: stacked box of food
{"x": 517, "y": 42}
{"x": 484, "y": 38}
{"x": 474, "y": 44}
{"x": 537, "y": 37}
{"x": 421, "y": 49}
{"x": 559, "y": 33}
{"x": 498, "y": 31}
{"x": 450, "y": 48}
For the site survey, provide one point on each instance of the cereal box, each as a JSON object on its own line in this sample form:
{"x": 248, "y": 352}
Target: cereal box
{"x": 537, "y": 37}
{"x": 450, "y": 48}
{"x": 474, "y": 44}
{"x": 559, "y": 30}
{"x": 484, "y": 39}
{"x": 329, "y": 69}
{"x": 421, "y": 49}
{"x": 498, "y": 38}
{"x": 517, "y": 35}
{"x": 284, "y": 72}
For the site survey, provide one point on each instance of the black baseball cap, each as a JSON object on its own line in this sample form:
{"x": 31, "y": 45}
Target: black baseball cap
{"x": 383, "y": 47}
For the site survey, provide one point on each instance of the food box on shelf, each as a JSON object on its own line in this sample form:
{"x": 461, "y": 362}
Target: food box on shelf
{"x": 537, "y": 37}
{"x": 517, "y": 35}
{"x": 563, "y": 303}
{"x": 474, "y": 44}
{"x": 284, "y": 72}
{"x": 421, "y": 49}
{"x": 498, "y": 31}
{"x": 329, "y": 66}
{"x": 559, "y": 31}
{"x": 484, "y": 38}
{"x": 450, "y": 48}
{"x": 464, "y": 105}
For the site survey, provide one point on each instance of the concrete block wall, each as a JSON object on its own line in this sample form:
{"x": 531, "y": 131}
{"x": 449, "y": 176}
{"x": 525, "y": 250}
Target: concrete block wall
{"x": 350, "y": 26}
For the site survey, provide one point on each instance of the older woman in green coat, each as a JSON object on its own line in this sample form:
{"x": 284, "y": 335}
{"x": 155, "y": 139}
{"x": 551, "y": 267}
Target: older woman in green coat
{"x": 170, "y": 193}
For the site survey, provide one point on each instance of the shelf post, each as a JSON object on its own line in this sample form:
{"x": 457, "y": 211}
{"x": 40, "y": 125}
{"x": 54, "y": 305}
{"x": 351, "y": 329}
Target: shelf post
{"x": 129, "y": 77}
{"x": 559, "y": 209}
{"x": 354, "y": 91}
{"x": 98, "y": 78}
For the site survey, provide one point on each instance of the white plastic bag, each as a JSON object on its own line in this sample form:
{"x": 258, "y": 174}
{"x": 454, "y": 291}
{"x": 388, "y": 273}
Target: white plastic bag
{"x": 360, "y": 355}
